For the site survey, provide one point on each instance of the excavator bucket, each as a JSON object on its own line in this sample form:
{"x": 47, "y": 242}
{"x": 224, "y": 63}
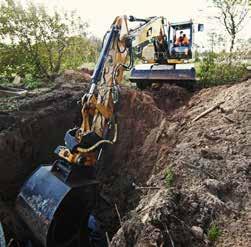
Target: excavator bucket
{"x": 145, "y": 75}
{"x": 56, "y": 210}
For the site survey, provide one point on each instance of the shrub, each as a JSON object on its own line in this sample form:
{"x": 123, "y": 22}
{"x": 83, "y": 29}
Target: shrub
{"x": 216, "y": 69}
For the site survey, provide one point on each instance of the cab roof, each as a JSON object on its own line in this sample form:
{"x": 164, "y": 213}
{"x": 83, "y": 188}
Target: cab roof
{"x": 181, "y": 25}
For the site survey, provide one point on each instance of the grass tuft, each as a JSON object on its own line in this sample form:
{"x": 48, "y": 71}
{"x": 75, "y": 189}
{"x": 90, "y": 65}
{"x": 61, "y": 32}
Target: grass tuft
{"x": 213, "y": 232}
{"x": 169, "y": 177}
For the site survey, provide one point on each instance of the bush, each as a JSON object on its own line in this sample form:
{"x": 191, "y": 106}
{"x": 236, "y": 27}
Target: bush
{"x": 216, "y": 69}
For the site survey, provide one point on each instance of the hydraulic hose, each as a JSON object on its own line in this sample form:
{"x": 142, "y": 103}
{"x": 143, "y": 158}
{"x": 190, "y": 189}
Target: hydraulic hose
{"x": 86, "y": 150}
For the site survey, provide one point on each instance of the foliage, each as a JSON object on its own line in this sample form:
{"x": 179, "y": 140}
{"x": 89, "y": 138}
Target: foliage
{"x": 232, "y": 14}
{"x": 12, "y": 61}
{"x": 196, "y": 56}
{"x": 213, "y": 232}
{"x": 169, "y": 177}
{"x": 216, "y": 69}
{"x": 41, "y": 44}
{"x": 4, "y": 80}
{"x": 31, "y": 82}
{"x": 81, "y": 50}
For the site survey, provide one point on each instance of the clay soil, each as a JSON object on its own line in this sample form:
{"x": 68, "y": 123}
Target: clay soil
{"x": 171, "y": 178}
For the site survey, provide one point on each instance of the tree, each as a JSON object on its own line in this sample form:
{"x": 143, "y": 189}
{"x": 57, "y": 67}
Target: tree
{"x": 232, "y": 14}
{"x": 42, "y": 37}
{"x": 212, "y": 38}
{"x": 216, "y": 41}
{"x": 80, "y": 51}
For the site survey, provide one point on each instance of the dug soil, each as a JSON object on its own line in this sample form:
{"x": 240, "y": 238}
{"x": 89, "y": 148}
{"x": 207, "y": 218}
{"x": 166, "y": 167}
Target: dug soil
{"x": 176, "y": 177}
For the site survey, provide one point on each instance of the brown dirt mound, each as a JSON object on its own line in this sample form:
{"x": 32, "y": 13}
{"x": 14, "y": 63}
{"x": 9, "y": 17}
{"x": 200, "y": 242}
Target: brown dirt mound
{"x": 209, "y": 161}
{"x": 198, "y": 172}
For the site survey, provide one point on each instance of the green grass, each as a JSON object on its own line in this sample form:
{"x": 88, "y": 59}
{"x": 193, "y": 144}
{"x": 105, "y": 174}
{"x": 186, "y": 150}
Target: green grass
{"x": 169, "y": 177}
{"x": 213, "y": 232}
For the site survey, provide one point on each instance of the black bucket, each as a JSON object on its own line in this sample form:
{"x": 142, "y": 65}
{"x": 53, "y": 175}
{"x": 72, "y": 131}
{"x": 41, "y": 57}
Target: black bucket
{"x": 56, "y": 212}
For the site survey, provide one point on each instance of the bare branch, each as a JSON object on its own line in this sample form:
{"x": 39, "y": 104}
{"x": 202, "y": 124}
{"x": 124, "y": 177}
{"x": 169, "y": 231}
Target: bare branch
{"x": 117, "y": 211}
{"x": 169, "y": 234}
{"x": 108, "y": 240}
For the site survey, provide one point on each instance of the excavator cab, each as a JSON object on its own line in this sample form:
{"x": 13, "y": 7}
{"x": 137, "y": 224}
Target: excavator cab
{"x": 180, "y": 36}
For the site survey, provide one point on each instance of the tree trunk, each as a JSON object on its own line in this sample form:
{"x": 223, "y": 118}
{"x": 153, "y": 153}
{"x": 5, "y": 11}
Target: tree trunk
{"x": 232, "y": 43}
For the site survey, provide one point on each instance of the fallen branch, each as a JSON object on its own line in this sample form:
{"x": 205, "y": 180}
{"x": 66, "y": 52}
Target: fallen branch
{"x": 8, "y": 91}
{"x": 229, "y": 119}
{"x": 108, "y": 240}
{"x": 169, "y": 234}
{"x": 207, "y": 111}
{"x": 145, "y": 188}
{"x": 117, "y": 211}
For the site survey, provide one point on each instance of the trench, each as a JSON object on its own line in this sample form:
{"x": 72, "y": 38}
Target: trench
{"x": 29, "y": 136}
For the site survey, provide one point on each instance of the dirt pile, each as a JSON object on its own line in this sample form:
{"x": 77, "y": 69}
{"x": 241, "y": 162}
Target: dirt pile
{"x": 170, "y": 177}
{"x": 131, "y": 159}
{"x": 200, "y": 175}
{"x": 70, "y": 77}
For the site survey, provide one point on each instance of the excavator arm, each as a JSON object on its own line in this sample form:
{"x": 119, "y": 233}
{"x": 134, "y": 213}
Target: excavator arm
{"x": 84, "y": 144}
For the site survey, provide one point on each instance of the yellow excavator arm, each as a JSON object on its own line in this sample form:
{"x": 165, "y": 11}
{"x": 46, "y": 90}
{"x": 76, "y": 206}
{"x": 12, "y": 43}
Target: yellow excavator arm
{"x": 83, "y": 144}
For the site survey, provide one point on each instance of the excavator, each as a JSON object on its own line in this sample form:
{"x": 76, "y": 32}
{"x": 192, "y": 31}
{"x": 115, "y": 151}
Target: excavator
{"x": 56, "y": 202}
{"x": 165, "y": 56}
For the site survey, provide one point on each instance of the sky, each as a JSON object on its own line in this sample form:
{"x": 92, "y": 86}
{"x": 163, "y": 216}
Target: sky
{"x": 101, "y": 13}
